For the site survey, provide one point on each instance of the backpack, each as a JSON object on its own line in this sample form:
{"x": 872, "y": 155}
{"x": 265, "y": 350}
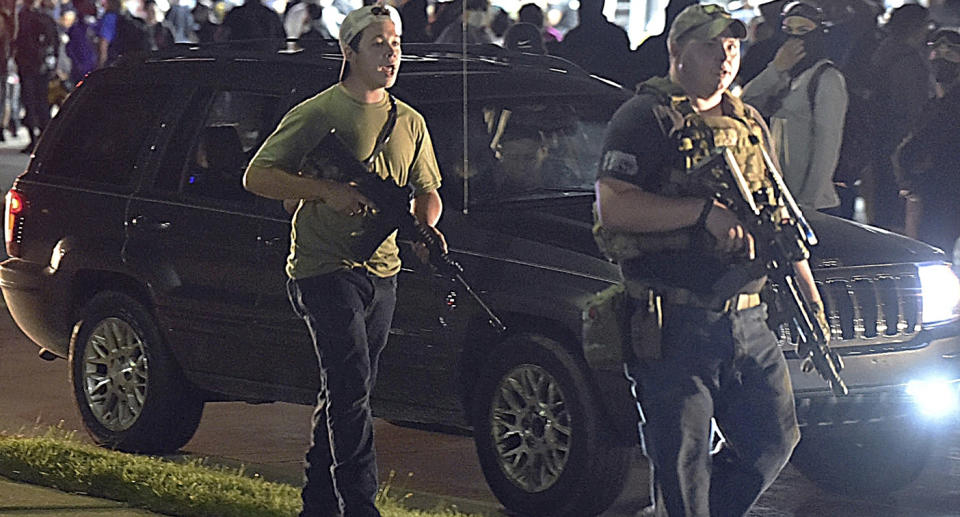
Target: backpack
{"x": 132, "y": 35}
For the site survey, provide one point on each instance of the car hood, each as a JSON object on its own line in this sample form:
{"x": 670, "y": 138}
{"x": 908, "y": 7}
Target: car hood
{"x": 847, "y": 243}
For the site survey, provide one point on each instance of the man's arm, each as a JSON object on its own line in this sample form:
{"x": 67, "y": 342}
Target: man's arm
{"x": 273, "y": 183}
{"x": 427, "y": 208}
{"x": 624, "y": 207}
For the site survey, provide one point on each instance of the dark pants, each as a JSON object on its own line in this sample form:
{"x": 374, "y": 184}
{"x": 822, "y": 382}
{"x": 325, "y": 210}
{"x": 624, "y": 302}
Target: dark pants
{"x": 348, "y": 314}
{"x": 33, "y": 95}
{"x": 725, "y": 366}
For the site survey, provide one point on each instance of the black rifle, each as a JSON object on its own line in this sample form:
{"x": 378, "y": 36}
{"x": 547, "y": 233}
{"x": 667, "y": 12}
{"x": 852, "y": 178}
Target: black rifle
{"x": 780, "y": 240}
{"x": 331, "y": 159}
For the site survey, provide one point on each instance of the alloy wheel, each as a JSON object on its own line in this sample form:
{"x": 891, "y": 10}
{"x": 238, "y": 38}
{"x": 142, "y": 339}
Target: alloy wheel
{"x": 115, "y": 374}
{"x": 531, "y": 427}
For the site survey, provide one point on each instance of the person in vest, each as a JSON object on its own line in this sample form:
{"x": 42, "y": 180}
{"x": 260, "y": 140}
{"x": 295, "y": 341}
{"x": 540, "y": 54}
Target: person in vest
{"x": 804, "y": 95}
{"x": 703, "y": 354}
{"x": 347, "y": 300}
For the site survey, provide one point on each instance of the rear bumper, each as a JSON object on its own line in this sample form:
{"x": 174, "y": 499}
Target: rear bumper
{"x": 38, "y": 300}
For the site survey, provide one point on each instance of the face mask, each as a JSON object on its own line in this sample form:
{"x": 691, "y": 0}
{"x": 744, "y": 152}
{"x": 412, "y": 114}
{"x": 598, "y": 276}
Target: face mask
{"x": 945, "y": 71}
{"x": 815, "y": 47}
{"x": 476, "y": 18}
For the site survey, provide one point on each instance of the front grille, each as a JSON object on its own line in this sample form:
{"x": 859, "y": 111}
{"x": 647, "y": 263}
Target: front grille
{"x": 876, "y": 308}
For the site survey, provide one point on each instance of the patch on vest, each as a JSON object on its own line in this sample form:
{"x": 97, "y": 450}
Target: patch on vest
{"x": 620, "y": 163}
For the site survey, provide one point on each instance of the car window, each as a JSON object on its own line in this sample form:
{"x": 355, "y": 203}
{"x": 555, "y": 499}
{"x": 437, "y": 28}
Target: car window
{"x": 519, "y": 148}
{"x": 207, "y": 156}
{"x": 100, "y": 146}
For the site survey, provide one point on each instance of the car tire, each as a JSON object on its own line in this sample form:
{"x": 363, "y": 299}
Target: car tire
{"x": 540, "y": 434}
{"x": 864, "y": 459}
{"x": 131, "y": 393}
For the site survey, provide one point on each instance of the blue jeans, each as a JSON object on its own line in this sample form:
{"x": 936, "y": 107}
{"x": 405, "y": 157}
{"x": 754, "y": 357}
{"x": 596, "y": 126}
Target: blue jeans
{"x": 348, "y": 314}
{"x": 722, "y": 366}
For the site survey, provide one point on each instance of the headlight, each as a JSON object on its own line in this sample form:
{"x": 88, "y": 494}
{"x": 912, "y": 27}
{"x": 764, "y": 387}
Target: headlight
{"x": 935, "y": 397}
{"x": 940, "y": 290}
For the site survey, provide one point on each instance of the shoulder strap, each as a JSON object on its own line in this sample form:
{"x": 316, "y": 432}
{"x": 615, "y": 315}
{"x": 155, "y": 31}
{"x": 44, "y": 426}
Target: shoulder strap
{"x": 812, "y": 87}
{"x": 385, "y": 131}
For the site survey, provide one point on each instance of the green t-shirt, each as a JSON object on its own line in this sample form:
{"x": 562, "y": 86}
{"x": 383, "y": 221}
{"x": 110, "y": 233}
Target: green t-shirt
{"x": 320, "y": 238}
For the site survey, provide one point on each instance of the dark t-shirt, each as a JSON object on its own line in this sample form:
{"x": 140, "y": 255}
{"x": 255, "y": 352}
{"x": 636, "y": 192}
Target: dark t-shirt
{"x": 638, "y": 150}
{"x": 253, "y": 20}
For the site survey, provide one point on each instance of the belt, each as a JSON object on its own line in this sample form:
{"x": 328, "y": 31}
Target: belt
{"x": 686, "y": 297}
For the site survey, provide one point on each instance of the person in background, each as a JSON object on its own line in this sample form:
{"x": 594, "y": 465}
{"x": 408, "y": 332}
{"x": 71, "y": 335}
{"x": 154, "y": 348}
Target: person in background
{"x": 205, "y": 28}
{"x": 650, "y": 59}
{"x": 762, "y": 51}
{"x": 804, "y": 95}
{"x": 160, "y": 34}
{"x": 179, "y": 19}
{"x": 346, "y": 299}
{"x": 35, "y": 51}
{"x": 80, "y": 47}
{"x": 533, "y": 14}
{"x": 524, "y": 37}
{"x": 930, "y": 157}
{"x": 904, "y": 84}
{"x": 478, "y": 25}
{"x": 8, "y": 33}
{"x": 597, "y": 45}
{"x": 252, "y": 21}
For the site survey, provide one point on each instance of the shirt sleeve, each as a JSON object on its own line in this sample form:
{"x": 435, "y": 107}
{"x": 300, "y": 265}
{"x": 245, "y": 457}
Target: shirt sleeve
{"x": 424, "y": 171}
{"x": 634, "y": 144}
{"x": 295, "y": 136}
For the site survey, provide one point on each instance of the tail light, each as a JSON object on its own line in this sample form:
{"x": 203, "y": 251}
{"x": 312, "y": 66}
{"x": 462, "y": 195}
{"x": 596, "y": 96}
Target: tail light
{"x": 12, "y": 218}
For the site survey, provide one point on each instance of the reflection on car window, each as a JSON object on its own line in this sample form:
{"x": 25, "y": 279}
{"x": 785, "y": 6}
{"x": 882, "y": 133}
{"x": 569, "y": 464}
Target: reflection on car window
{"x": 106, "y": 146}
{"x": 519, "y": 148}
{"x": 214, "y": 154}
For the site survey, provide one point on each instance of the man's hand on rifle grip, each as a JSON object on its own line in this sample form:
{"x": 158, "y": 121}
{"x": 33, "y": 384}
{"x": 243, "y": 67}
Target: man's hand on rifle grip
{"x": 347, "y": 199}
{"x": 730, "y": 233}
{"x": 420, "y": 248}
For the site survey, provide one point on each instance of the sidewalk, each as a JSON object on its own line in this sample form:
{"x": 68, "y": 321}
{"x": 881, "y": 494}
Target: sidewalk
{"x": 22, "y": 499}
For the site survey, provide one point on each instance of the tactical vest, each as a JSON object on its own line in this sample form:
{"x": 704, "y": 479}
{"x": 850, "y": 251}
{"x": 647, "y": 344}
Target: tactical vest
{"x": 693, "y": 138}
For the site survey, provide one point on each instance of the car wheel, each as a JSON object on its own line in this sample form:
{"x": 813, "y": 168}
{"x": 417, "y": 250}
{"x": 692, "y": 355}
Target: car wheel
{"x": 540, "y": 434}
{"x": 131, "y": 393}
{"x": 863, "y": 459}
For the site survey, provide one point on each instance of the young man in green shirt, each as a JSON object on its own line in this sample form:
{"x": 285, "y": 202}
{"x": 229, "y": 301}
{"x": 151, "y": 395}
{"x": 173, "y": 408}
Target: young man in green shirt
{"x": 346, "y": 299}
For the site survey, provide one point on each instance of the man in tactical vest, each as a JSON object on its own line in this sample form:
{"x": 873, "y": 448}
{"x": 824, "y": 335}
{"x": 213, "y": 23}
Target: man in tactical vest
{"x": 702, "y": 348}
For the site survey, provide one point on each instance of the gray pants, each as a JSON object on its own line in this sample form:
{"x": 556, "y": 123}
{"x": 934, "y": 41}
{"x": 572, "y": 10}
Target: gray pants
{"x": 722, "y": 366}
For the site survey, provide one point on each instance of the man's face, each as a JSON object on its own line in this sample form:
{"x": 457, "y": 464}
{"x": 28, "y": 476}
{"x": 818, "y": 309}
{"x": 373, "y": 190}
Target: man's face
{"x": 705, "y": 67}
{"x": 376, "y": 61}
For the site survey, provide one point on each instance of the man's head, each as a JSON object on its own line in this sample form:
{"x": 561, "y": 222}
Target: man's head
{"x": 805, "y": 21}
{"x": 909, "y": 23}
{"x": 704, "y": 47}
{"x": 370, "y": 42}
{"x": 944, "y": 46}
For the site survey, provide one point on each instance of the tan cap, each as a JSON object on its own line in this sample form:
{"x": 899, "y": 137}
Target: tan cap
{"x": 359, "y": 19}
{"x": 704, "y": 22}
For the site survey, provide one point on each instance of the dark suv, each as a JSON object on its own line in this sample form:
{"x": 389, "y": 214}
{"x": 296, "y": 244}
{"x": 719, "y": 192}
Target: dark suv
{"x": 137, "y": 255}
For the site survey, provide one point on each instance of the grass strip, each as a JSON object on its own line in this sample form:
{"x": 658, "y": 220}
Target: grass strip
{"x": 59, "y": 460}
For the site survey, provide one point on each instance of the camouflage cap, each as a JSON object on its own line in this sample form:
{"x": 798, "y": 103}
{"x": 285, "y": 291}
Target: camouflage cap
{"x": 704, "y": 22}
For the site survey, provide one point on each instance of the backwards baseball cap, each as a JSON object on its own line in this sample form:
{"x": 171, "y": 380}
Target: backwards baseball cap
{"x": 359, "y": 19}
{"x": 704, "y": 22}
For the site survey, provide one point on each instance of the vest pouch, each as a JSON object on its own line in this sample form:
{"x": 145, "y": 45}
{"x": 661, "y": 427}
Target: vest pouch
{"x": 606, "y": 321}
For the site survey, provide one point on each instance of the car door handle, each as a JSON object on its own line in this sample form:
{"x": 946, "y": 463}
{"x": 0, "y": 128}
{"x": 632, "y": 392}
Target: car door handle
{"x": 142, "y": 222}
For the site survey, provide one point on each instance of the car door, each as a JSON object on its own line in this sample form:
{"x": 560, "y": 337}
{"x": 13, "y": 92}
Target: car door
{"x": 195, "y": 225}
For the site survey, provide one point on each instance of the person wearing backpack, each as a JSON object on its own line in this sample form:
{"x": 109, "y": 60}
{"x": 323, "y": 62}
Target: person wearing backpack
{"x": 805, "y": 97}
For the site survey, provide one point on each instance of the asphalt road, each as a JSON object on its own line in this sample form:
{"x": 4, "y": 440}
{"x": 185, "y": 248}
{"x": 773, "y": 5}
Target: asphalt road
{"x": 271, "y": 438}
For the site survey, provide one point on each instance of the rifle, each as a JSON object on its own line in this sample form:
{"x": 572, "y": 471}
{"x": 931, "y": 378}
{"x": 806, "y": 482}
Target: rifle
{"x": 331, "y": 159}
{"x": 780, "y": 241}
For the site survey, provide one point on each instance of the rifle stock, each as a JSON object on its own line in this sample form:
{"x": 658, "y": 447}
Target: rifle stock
{"x": 779, "y": 243}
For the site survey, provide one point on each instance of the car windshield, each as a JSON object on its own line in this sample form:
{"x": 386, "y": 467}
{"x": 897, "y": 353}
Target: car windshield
{"x": 520, "y": 150}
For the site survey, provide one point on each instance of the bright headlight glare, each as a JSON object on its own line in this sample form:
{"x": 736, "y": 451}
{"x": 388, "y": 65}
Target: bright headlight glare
{"x": 940, "y": 289}
{"x": 935, "y": 397}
